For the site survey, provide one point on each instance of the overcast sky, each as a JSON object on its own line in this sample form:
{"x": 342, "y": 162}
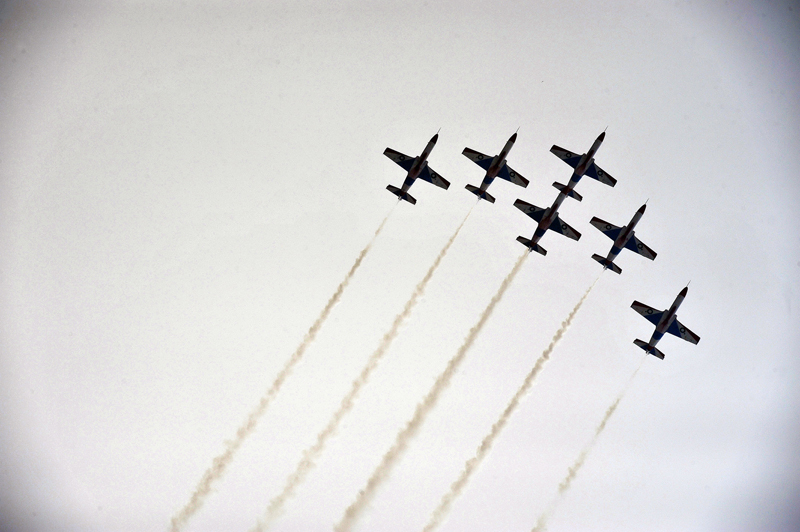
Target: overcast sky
{"x": 182, "y": 188}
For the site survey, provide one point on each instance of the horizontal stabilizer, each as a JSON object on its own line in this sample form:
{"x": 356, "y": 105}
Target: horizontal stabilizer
{"x": 650, "y": 350}
{"x": 480, "y": 193}
{"x": 572, "y": 194}
{"x": 531, "y": 246}
{"x": 402, "y": 195}
{"x": 607, "y": 263}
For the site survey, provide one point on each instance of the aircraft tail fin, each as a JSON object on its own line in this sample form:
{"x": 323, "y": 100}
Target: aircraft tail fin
{"x": 531, "y": 246}
{"x": 650, "y": 350}
{"x": 572, "y": 193}
{"x": 402, "y": 195}
{"x": 480, "y": 193}
{"x": 607, "y": 263}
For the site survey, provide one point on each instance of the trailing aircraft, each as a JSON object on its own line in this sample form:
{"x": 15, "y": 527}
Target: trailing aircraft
{"x": 623, "y": 237}
{"x": 666, "y": 321}
{"x": 548, "y": 219}
{"x": 417, "y": 167}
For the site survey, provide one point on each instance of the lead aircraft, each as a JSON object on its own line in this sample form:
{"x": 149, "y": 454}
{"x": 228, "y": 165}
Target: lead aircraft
{"x": 666, "y": 321}
{"x": 495, "y": 167}
{"x": 583, "y": 165}
{"x": 417, "y": 167}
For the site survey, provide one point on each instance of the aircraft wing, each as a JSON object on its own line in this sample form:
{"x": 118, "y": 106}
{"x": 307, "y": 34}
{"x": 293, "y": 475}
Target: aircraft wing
{"x": 610, "y": 230}
{"x": 678, "y": 329}
{"x": 507, "y": 173}
{"x": 403, "y": 160}
{"x": 432, "y": 177}
{"x": 595, "y": 172}
{"x": 559, "y": 226}
{"x": 652, "y": 315}
{"x": 634, "y": 244}
{"x": 533, "y": 211}
{"x": 567, "y": 156}
{"x": 484, "y": 161}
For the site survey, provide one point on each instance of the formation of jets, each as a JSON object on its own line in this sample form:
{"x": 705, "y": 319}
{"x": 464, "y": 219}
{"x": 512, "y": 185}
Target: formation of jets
{"x": 548, "y": 219}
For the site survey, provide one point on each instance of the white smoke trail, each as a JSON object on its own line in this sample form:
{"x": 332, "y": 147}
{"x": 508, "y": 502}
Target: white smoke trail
{"x": 572, "y": 472}
{"x": 381, "y": 473}
{"x": 486, "y": 445}
{"x": 312, "y": 453}
{"x": 221, "y": 461}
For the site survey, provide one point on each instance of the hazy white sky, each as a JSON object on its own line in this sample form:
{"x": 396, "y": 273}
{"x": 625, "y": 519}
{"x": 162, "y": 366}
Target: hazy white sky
{"x": 182, "y": 187}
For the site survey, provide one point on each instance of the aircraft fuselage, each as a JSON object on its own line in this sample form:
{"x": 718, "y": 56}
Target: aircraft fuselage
{"x": 498, "y": 162}
{"x": 549, "y": 215}
{"x": 668, "y": 317}
{"x": 586, "y": 161}
{"x": 625, "y": 235}
{"x": 419, "y": 164}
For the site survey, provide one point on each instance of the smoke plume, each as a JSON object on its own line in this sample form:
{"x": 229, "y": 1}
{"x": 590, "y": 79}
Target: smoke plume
{"x": 486, "y": 445}
{"x": 572, "y": 472}
{"x": 221, "y": 461}
{"x": 312, "y": 453}
{"x": 383, "y": 470}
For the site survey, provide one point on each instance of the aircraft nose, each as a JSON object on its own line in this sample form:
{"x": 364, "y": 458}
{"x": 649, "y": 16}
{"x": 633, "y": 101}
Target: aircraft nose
{"x": 642, "y": 208}
{"x": 685, "y": 291}
{"x": 513, "y": 138}
{"x": 435, "y": 138}
{"x": 602, "y": 136}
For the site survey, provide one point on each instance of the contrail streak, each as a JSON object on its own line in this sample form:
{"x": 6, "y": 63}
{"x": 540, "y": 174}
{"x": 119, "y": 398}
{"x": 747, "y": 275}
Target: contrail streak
{"x": 572, "y": 472}
{"x": 312, "y": 453}
{"x": 221, "y": 461}
{"x": 381, "y": 473}
{"x": 486, "y": 445}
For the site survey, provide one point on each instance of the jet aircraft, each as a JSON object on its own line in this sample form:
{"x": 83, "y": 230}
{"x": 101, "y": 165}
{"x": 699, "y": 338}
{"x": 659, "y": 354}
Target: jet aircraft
{"x": 666, "y": 321}
{"x": 583, "y": 165}
{"x": 548, "y": 219}
{"x": 495, "y": 167}
{"x": 623, "y": 237}
{"x": 417, "y": 167}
